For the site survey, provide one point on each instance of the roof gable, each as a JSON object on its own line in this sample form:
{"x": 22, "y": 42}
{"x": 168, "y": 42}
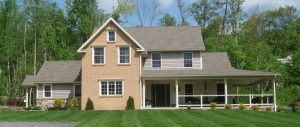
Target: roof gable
{"x": 94, "y": 35}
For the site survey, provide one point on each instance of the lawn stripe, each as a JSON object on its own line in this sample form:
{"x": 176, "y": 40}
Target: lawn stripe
{"x": 152, "y": 118}
{"x": 94, "y": 118}
{"x": 129, "y": 119}
{"x": 199, "y": 120}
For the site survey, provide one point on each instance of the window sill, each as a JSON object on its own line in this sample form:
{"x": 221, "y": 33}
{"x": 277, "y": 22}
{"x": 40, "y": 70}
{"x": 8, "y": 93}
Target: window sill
{"x": 98, "y": 64}
{"x": 111, "y": 96}
{"x": 123, "y": 64}
{"x": 111, "y": 41}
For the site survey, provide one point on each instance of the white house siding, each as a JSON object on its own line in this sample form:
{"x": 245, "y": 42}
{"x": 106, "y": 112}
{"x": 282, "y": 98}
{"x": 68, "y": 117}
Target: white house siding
{"x": 59, "y": 91}
{"x": 173, "y": 60}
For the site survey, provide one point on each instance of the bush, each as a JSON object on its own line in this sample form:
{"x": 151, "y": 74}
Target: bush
{"x": 189, "y": 107}
{"x": 228, "y": 106}
{"x": 255, "y": 107}
{"x": 73, "y": 105}
{"x": 3, "y": 100}
{"x": 38, "y": 108}
{"x": 58, "y": 104}
{"x": 130, "y": 103}
{"x": 89, "y": 105}
{"x": 213, "y": 105}
{"x": 294, "y": 105}
{"x": 269, "y": 109}
{"x": 12, "y": 102}
{"x": 242, "y": 106}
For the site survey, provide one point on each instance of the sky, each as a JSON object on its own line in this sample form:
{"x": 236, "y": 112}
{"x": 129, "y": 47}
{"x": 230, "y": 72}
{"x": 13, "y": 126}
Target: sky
{"x": 169, "y": 6}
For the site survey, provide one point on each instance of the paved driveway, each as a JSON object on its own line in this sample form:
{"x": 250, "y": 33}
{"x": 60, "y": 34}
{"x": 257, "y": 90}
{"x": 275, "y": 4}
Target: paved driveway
{"x": 37, "y": 124}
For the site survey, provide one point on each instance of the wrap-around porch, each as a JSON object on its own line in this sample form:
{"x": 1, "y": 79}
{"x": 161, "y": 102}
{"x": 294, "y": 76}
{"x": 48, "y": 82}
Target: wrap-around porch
{"x": 176, "y": 93}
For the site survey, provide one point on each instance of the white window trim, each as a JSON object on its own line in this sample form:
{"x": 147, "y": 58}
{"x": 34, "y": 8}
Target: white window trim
{"x": 51, "y": 91}
{"x": 129, "y": 54}
{"x": 183, "y": 59}
{"x": 107, "y": 35}
{"x": 160, "y": 60}
{"x": 93, "y": 55}
{"x": 107, "y": 90}
{"x": 77, "y": 84}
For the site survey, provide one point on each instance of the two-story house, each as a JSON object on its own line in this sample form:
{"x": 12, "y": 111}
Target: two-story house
{"x": 160, "y": 67}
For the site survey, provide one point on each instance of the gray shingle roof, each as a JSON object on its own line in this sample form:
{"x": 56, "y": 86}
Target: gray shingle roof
{"x": 56, "y": 72}
{"x": 214, "y": 65}
{"x": 172, "y": 38}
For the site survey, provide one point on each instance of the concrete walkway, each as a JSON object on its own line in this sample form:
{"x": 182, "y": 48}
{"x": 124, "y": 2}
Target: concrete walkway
{"x": 37, "y": 124}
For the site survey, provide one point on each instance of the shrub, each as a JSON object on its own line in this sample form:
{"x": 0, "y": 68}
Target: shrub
{"x": 58, "y": 104}
{"x": 294, "y": 105}
{"x": 255, "y": 107}
{"x": 130, "y": 103}
{"x": 12, "y": 102}
{"x": 189, "y": 107}
{"x": 242, "y": 106}
{"x": 228, "y": 106}
{"x": 89, "y": 105}
{"x": 213, "y": 105}
{"x": 3, "y": 100}
{"x": 73, "y": 105}
{"x": 38, "y": 108}
{"x": 269, "y": 109}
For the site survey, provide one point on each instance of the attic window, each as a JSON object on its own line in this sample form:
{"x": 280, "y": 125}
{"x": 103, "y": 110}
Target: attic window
{"x": 111, "y": 35}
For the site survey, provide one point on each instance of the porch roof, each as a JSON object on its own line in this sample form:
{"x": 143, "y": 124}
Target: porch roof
{"x": 231, "y": 72}
{"x": 56, "y": 72}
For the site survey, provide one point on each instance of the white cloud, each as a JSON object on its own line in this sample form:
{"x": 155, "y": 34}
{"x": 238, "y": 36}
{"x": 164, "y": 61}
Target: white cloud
{"x": 166, "y": 3}
{"x": 108, "y": 5}
{"x": 271, "y": 3}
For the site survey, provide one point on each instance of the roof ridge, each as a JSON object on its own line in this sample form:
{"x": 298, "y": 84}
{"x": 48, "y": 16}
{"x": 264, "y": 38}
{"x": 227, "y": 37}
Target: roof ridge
{"x": 161, "y": 27}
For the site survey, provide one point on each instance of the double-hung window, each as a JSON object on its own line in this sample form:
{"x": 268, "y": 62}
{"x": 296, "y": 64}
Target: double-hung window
{"x": 111, "y": 88}
{"x": 156, "y": 59}
{"x": 98, "y": 55}
{"x": 187, "y": 59}
{"x": 77, "y": 90}
{"x": 111, "y": 35}
{"x": 124, "y": 55}
{"x": 47, "y": 91}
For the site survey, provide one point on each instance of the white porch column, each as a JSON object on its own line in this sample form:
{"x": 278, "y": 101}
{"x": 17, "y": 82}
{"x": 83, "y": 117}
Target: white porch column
{"x": 176, "y": 92}
{"x": 26, "y": 97}
{"x": 274, "y": 95}
{"x": 225, "y": 87}
{"x": 144, "y": 94}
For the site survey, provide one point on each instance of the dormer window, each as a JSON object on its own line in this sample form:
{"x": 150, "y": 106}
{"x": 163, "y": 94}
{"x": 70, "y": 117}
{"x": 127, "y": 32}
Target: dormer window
{"x": 111, "y": 35}
{"x": 188, "y": 59}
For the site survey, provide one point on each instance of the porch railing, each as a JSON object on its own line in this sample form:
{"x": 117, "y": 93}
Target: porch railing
{"x": 233, "y": 99}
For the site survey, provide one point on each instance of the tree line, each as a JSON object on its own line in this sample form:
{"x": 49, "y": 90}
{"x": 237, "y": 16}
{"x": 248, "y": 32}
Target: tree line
{"x": 34, "y": 31}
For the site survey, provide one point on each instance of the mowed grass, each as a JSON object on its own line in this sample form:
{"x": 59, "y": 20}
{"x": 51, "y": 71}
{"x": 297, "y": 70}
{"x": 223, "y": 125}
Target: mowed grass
{"x": 160, "y": 118}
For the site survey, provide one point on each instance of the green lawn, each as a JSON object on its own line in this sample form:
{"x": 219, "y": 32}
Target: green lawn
{"x": 161, "y": 118}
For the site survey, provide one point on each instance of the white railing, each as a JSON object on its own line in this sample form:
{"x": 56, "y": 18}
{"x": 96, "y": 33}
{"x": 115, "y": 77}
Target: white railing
{"x": 205, "y": 100}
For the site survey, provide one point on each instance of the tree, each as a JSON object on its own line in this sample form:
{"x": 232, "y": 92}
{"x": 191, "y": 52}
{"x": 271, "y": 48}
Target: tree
{"x": 203, "y": 11}
{"x": 168, "y": 20}
{"x": 183, "y": 12}
{"x": 147, "y": 10}
{"x": 124, "y": 10}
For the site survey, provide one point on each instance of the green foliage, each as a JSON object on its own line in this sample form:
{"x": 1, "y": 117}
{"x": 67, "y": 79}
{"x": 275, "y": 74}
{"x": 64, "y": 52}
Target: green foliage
{"x": 242, "y": 106}
{"x": 89, "y": 105}
{"x": 58, "y": 103}
{"x": 73, "y": 104}
{"x": 269, "y": 109}
{"x": 130, "y": 103}
{"x": 213, "y": 105}
{"x": 228, "y": 106}
{"x": 287, "y": 94}
{"x": 3, "y": 100}
{"x": 167, "y": 20}
{"x": 255, "y": 107}
{"x": 294, "y": 106}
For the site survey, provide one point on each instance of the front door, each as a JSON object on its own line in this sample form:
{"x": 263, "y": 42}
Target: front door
{"x": 188, "y": 91}
{"x": 160, "y": 95}
{"x": 220, "y": 91}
